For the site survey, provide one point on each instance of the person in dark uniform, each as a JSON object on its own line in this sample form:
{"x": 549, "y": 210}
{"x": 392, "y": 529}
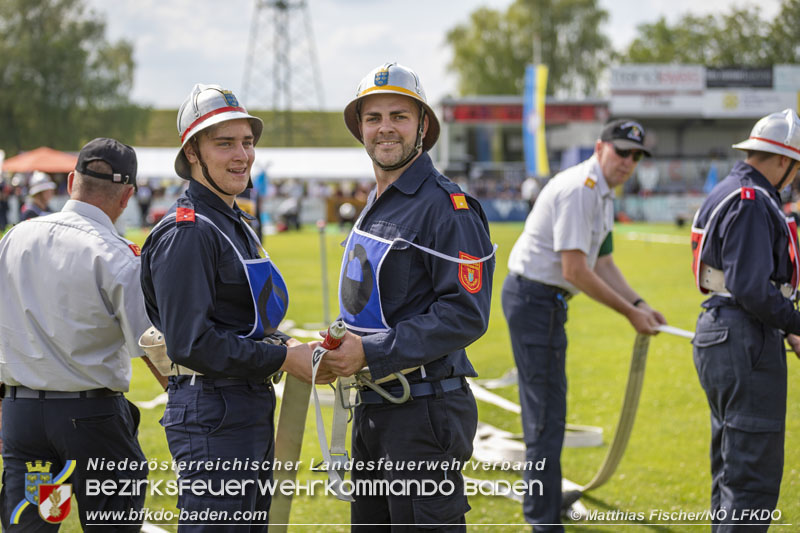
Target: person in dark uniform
{"x": 213, "y": 291}
{"x": 745, "y": 257}
{"x": 71, "y": 314}
{"x": 415, "y": 290}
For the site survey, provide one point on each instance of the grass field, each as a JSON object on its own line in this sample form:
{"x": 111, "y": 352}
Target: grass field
{"x": 666, "y": 467}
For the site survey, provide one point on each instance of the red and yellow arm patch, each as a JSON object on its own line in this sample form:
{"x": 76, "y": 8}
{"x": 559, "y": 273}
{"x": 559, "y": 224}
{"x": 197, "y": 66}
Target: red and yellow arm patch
{"x": 135, "y": 249}
{"x": 470, "y": 275}
{"x": 459, "y": 201}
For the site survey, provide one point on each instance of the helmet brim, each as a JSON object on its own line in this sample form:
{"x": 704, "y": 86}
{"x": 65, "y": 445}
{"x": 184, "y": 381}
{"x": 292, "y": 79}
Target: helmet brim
{"x": 758, "y": 145}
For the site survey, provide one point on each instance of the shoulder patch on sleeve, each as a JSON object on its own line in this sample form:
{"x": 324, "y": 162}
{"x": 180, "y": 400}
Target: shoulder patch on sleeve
{"x": 589, "y": 182}
{"x": 135, "y": 249}
{"x": 748, "y": 193}
{"x": 459, "y": 201}
{"x": 470, "y": 276}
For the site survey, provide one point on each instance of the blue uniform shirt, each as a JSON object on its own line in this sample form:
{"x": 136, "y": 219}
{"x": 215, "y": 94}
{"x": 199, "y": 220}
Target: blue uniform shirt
{"x": 196, "y": 291}
{"x": 748, "y": 241}
{"x": 432, "y": 316}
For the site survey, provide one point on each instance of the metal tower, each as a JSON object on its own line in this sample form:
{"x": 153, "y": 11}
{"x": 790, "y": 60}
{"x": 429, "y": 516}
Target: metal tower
{"x": 281, "y": 70}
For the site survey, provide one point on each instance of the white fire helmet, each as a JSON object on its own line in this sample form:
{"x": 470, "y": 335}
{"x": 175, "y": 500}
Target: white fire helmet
{"x": 395, "y": 79}
{"x": 777, "y": 133}
{"x": 206, "y": 106}
{"x": 40, "y": 182}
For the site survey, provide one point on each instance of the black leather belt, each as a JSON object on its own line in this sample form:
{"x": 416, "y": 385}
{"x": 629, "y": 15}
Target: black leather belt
{"x": 208, "y": 381}
{"x": 418, "y": 390}
{"x": 18, "y": 391}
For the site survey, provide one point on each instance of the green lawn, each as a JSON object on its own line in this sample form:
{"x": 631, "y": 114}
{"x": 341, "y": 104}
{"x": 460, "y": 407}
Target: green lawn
{"x": 666, "y": 465}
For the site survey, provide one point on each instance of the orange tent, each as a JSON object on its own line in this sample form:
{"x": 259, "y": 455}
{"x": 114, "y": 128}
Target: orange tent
{"x": 44, "y": 159}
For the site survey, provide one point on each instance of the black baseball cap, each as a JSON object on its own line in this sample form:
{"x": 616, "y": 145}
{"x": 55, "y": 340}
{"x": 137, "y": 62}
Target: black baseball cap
{"x": 120, "y": 156}
{"x": 625, "y": 134}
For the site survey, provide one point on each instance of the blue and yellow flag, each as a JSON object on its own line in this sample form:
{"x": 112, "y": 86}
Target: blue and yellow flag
{"x": 536, "y": 163}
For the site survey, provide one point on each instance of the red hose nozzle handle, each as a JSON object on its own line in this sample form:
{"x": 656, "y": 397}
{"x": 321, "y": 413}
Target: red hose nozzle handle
{"x": 334, "y": 336}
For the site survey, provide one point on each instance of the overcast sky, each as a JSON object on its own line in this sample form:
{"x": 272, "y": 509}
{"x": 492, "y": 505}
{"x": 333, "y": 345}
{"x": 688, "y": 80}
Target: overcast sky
{"x": 180, "y": 42}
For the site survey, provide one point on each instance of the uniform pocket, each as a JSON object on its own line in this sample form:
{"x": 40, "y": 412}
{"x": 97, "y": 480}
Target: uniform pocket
{"x": 753, "y": 450}
{"x": 435, "y": 512}
{"x": 712, "y": 356}
{"x": 173, "y": 415}
{"x": 398, "y": 261}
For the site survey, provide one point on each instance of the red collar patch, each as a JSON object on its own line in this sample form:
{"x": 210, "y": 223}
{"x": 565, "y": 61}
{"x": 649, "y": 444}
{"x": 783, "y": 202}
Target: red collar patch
{"x": 135, "y": 249}
{"x": 184, "y": 214}
{"x": 748, "y": 193}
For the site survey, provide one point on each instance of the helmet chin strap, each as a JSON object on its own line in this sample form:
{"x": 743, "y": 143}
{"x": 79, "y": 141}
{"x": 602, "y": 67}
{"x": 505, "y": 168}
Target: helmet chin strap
{"x": 205, "y": 169}
{"x": 787, "y": 175}
{"x": 417, "y": 146}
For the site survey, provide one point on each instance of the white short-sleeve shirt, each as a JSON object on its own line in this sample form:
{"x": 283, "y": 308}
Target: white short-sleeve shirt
{"x": 575, "y": 211}
{"x": 71, "y": 303}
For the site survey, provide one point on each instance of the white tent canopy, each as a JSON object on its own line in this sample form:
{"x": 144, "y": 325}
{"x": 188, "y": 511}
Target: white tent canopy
{"x": 280, "y": 163}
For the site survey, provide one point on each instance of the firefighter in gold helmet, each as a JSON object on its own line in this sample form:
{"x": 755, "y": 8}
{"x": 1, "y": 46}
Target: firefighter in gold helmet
{"x": 414, "y": 291}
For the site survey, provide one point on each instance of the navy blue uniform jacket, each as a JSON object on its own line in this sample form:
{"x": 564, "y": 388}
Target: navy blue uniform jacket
{"x": 748, "y": 241}
{"x": 432, "y": 316}
{"x": 196, "y": 291}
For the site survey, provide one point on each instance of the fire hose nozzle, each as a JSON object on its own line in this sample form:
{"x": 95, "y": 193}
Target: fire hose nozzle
{"x": 334, "y": 336}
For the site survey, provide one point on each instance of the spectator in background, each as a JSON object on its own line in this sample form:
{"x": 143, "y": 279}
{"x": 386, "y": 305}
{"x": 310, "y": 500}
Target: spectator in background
{"x": 5, "y": 190}
{"x": 40, "y": 192}
{"x": 530, "y": 190}
{"x": 144, "y": 197}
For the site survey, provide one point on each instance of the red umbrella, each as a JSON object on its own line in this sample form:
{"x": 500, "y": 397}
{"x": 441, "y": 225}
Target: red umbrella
{"x": 44, "y": 159}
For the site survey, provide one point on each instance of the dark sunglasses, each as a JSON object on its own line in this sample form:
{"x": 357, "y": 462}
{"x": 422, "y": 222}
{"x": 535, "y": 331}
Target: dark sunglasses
{"x": 637, "y": 154}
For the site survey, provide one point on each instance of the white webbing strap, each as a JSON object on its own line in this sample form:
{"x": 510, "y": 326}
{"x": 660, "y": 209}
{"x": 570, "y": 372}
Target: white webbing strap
{"x": 334, "y": 474}
{"x": 341, "y": 417}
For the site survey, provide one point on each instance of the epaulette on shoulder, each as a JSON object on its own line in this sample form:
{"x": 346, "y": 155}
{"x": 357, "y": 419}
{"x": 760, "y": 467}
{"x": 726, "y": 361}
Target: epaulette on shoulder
{"x": 458, "y": 198}
{"x": 132, "y": 246}
{"x": 748, "y": 193}
{"x": 184, "y": 214}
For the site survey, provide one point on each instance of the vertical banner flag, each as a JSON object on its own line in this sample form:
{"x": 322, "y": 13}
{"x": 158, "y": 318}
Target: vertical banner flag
{"x": 536, "y": 163}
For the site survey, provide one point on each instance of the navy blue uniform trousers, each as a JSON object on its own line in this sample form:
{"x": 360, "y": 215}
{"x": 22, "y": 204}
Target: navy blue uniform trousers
{"x": 57, "y": 430}
{"x": 221, "y": 420}
{"x": 536, "y": 315}
{"x": 741, "y": 364}
{"x": 439, "y": 429}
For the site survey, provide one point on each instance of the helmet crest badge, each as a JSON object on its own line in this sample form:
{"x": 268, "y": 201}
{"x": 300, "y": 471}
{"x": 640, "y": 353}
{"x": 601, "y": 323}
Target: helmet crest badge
{"x": 230, "y": 98}
{"x": 382, "y": 77}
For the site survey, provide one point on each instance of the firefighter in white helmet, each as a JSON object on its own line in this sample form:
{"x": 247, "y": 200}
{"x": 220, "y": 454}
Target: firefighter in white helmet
{"x": 214, "y": 292}
{"x": 40, "y": 191}
{"x": 414, "y": 291}
{"x": 745, "y": 260}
